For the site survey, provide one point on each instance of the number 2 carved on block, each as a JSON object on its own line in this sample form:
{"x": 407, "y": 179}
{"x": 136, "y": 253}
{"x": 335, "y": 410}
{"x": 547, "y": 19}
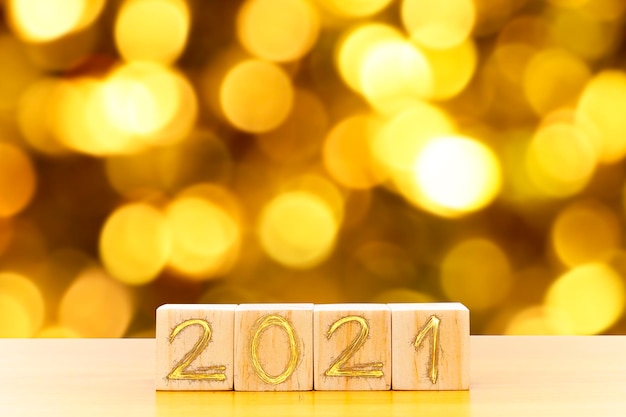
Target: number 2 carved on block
{"x": 431, "y": 326}
{"x": 338, "y": 367}
{"x": 180, "y": 370}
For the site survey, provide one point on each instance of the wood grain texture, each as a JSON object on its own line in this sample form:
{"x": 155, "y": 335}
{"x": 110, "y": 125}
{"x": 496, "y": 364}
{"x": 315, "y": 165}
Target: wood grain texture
{"x": 361, "y": 335}
{"x": 274, "y": 347}
{"x": 207, "y": 329}
{"x": 440, "y": 359}
{"x": 513, "y": 376}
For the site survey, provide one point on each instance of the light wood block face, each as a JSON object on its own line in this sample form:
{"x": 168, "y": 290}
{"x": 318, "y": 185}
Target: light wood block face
{"x": 430, "y": 346}
{"x": 352, "y": 347}
{"x": 195, "y": 347}
{"x": 274, "y": 347}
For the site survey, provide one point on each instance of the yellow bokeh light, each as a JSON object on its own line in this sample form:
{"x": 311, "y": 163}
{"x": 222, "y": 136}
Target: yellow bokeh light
{"x": 15, "y": 320}
{"x": 583, "y": 35}
{"x": 452, "y": 68}
{"x": 560, "y": 159}
{"x": 538, "y": 320}
{"x": 17, "y": 72}
{"x": 35, "y": 115}
{"x": 300, "y": 137}
{"x": 585, "y": 232}
{"x": 456, "y": 175}
{"x": 18, "y": 180}
{"x": 354, "y": 47}
{"x": 438, "y": 24}
{"x": 348, "y": 155}
{"x": 600, "y": 110}
{"x": 152, "y": 30}
{"x": 31, "y": 19}
{"x": 277, "y": 30}
{"x": 398, "y": 142}
{"x": 354, "y": 8}
{"x": 135, "y": 243}
{"x": 80, "y": 120}
{"x": 590, "y": 296}
{"x": 554, "y": 78}
{"x": 395, "y": 74}
{"x": 256, "y": 96}
{"x": 58, "y": 332}
{"x": 28, "y": 295}
{"x": 143, "y": 98}
{"x": 476, "y": 272}
{"x": 96, "y": 306}
{"x": 205, "y": 237}
{"x": 297, "y": 229}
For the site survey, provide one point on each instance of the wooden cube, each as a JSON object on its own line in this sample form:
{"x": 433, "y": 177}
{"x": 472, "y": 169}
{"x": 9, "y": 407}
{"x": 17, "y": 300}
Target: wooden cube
{"x": 352, "y": 347}
{"x": 430, "y": 346}
{"x": 274, "y": 347}
{"x": 195, "y": 347}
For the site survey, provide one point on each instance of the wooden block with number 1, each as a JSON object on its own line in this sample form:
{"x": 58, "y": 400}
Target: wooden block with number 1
{"x": 274, "y": 347}
{"x": 352, "y": 347}
{"x": 430, "y": 346}
{"x": 195, "y": 347}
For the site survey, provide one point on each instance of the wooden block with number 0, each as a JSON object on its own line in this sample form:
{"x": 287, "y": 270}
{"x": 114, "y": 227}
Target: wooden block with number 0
{"x": 430, "y": 346}
{"x": 352, "y": 347}
{"x": 274, "y": 347}
{"x": 195, "y": 347}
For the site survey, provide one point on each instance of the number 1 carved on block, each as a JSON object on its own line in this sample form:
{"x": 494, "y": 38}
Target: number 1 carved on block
{"x": 180, "y": 370}
{"x": 431, "y": 326}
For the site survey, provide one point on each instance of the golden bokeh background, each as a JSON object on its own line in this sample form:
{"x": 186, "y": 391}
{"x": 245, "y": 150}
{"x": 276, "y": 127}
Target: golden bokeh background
{"x": 192, "y": 151}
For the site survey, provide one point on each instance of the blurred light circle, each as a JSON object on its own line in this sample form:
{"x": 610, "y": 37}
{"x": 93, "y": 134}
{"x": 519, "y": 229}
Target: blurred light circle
{"x": 28, "y": 294}
{"x": 354, "y": 47}
{"x": 205, "y": 238}
{"x": 585, "y": 232}
{"x": 135, "y": 243}
{"x": 298, "y": 229}
{"x": 590, "y": 296}
{"x": 15, "y": 320}
{"x": 152, "y": 30}
{"x": 456, "y": 175}
{"x": 277, "y": 30}
{"x": 348, "y": 155}
{"x": 256, "y": 96}
{"x": 18, "y": 180}
{"x": 600, "y": 111}
{"x": 354, "y": 8}
{"x": 395, "y": 74}
{"x": 95, "y": 305}
{"x": 477, "y": 273}
{"x": 32, "y": 22}
{"x": 438, "y": 24}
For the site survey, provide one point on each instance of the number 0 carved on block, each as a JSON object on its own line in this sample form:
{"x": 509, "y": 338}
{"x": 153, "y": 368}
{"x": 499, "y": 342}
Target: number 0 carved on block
{"x": 294, "y": 353}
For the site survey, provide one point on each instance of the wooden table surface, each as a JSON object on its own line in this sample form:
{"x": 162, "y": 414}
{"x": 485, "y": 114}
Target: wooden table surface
{"x": 510, "y": 376}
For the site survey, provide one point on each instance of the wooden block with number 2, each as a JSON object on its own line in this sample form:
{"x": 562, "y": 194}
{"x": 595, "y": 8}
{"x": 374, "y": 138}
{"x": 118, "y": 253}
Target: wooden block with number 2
{"x": 195, "y": 347}
{"x": 352, "y": 347}
{"x": 430, "y": 346}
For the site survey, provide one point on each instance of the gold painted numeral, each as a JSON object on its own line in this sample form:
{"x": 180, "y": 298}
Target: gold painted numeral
{"x": 431, "y": 325}
{"x": 294, "y": 354}
{"x": 338, "y": 367}
{"x": 180, "y": 370}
